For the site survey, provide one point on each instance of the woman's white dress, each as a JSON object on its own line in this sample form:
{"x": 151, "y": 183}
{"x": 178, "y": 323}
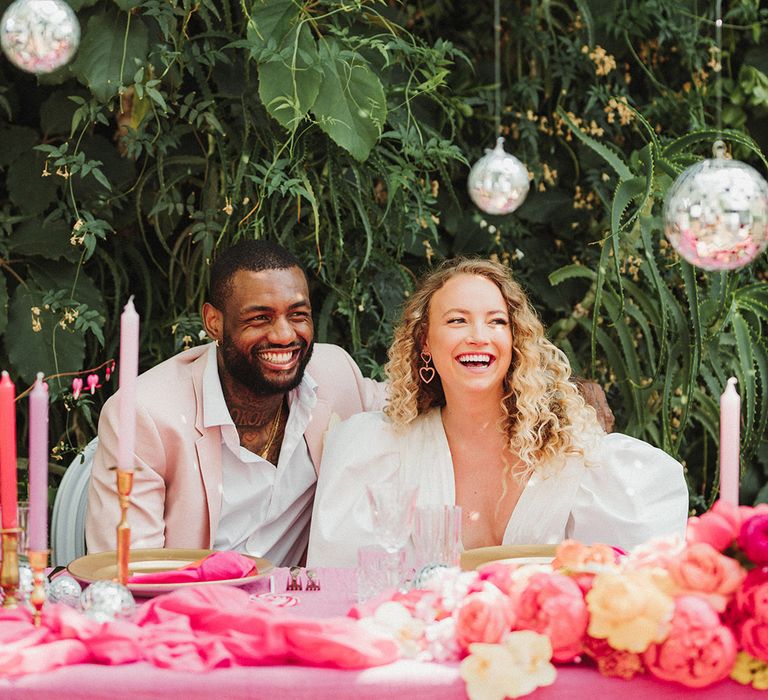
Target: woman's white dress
{"x": 622, "y": 492}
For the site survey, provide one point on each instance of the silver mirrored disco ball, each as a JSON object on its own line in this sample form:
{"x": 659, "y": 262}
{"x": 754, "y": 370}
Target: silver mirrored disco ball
{"x": 498, "y": 183}
{"x": 716, "y": 213}
{"x": 105, "y": 601}
{"x": 39, "y": 36}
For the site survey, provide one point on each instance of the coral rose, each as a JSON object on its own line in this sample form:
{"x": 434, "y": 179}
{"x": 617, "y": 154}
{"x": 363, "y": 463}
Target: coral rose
{"x": 720, "y": 525}
{"x": 552, "y": 604}
{"x": 698, "y": 651}
{"x": 753, "y": 538}
{"x": 482, "y": 617}
{"x": 629, "y": 610}
{"x": 701, "y": 570}
{"x": 571, "y": 554}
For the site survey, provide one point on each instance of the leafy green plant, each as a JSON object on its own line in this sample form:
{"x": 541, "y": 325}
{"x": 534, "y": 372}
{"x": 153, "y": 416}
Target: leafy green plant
{"x": 344, "y": 130}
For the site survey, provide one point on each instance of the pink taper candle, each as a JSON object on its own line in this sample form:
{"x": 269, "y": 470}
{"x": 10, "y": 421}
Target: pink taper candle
{"x": 37, "y": 525}
{"x": 730, "y": 421}
{"x": 129, "y": 368}
{"x": 8, "y": 493}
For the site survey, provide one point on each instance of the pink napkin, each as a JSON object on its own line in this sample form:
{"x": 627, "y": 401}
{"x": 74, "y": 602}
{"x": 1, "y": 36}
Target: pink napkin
{"x": 219, "y": 566}
{"x": 191, "y": 629}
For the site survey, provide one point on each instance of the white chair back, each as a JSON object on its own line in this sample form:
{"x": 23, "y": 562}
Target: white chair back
{"x": 68, "y": 520}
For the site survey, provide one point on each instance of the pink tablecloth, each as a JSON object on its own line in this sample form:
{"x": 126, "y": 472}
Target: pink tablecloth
{"x": 407, "y": 679}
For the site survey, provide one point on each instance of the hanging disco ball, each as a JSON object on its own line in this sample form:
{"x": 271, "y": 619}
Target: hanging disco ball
{"x": 498, "y": 183}
{"x": 716, "y": 213}
{"x": 39, "y": 36}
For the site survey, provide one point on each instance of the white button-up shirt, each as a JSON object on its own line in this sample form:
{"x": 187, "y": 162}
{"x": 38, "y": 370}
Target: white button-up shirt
{"x": 265, "y": 509}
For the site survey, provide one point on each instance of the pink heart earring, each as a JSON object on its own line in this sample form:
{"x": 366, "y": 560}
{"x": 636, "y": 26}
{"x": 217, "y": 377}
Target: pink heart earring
{"x": 426, "y": 371}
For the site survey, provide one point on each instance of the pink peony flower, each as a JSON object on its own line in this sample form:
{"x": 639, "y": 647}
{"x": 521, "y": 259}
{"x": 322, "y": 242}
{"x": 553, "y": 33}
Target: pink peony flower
{"x": 753, "y": 538}
{"x": 698, "y": 650}
{"x": 720, "y": 525}
{"x": 500, "y": 575}
{"x": 553, "y": 605}
{"x": 750, "y": 619}
{"x": 482, "y": 617}
{"x": 701, "y": 570}
{"x": 77, "y": 387}
{"x": 657, "y": 552}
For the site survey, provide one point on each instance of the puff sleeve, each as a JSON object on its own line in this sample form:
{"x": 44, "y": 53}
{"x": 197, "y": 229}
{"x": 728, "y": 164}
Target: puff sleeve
{"x": 629, "y": 493}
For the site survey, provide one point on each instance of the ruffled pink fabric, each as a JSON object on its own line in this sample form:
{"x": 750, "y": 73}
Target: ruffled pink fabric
{"x": 219, "y": 566}
{"x": 193, "y": 629}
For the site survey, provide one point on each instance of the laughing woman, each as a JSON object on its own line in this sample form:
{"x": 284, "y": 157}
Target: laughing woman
{"x": 482, "y": 414}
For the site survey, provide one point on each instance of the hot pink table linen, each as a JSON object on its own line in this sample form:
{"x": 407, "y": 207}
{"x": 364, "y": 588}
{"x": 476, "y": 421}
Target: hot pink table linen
{"x": 406, "y": 679}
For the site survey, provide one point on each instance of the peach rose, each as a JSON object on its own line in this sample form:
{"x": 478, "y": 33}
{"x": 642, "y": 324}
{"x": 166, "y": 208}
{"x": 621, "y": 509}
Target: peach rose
{"x": 701, "y": 570}
{"x": 482, "y": 617}
{"x": 629, "y": 609}
{"x": 576, "y": 556}
{"x": 552, "y": 604}
{"x": 698, "y": 651}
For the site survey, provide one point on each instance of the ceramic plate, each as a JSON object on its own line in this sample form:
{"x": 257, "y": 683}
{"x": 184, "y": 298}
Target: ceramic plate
{"x": 103, "y": 566}
{"x": 519, "y": 553}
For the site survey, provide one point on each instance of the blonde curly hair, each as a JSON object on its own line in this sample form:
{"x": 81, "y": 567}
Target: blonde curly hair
{"x": 543, "y": 414}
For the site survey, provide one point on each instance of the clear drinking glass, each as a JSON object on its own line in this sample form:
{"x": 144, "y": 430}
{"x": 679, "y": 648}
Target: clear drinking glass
{"x": 393, "y": 504}
{"x": 378, "y": 570}
{"x": 437, "y": 535}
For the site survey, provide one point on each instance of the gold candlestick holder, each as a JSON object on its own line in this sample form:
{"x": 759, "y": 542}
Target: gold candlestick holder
{"x": 38, "y": 560}
{"x": 124, "y": 486}
{"x": 9, "y": 572}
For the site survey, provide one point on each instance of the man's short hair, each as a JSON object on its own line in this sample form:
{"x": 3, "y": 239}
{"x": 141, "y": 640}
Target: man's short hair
{"x": 253, "y": 256}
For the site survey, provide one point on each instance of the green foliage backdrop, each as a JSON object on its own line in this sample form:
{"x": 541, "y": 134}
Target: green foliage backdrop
{"x": 345, "y": 131}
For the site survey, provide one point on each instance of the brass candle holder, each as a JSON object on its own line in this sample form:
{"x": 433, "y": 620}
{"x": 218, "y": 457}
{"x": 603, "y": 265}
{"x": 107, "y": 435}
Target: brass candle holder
{"x": 9, "y": 572}
{"x": 38, "y": 560}
{"x": 124, "y": 486}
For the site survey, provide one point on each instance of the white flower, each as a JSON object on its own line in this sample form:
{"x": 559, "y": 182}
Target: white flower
{"x": 512, "y": 669}
{"x": 393, "y": 620}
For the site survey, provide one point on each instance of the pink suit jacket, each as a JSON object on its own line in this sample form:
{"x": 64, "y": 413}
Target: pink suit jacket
{"x": 176, "y": 496}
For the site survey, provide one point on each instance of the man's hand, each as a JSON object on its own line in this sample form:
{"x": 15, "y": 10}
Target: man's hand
{"x": 593, "y": 394}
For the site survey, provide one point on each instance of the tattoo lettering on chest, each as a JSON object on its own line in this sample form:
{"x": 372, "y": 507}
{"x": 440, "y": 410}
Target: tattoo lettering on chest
{"x": 251, "y": 418}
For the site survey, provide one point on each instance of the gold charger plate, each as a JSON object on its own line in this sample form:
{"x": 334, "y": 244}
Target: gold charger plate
{"x": 103, "y": 566}
{"x": 512, "y": 553}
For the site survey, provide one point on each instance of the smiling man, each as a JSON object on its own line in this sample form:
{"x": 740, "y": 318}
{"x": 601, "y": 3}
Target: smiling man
{"x": 229, "y": 435}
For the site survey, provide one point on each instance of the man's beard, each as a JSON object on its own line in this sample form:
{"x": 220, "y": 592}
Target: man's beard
{"x": 246, "y": 367}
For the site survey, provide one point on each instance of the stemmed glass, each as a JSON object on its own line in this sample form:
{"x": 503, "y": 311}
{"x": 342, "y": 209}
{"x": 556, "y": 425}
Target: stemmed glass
{"x": 393, "y": 504}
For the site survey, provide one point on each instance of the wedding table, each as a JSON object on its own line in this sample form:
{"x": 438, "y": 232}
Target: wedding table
{"x": 405, "y": 678}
